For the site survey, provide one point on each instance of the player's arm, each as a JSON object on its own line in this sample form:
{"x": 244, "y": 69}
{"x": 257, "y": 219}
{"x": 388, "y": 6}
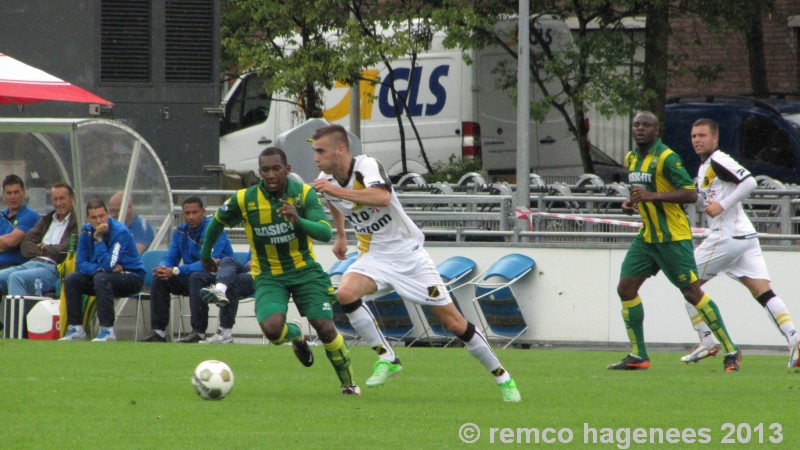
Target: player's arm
{"x": 743, "y": 189}
{"x": 311, "y": 217}
{"x": 213, "y": 231}
{"x": 378, "y": 195}
{"x": 339, "y": 248}
{"x": 686, "y": 194}
{"x": 676, "y": 174}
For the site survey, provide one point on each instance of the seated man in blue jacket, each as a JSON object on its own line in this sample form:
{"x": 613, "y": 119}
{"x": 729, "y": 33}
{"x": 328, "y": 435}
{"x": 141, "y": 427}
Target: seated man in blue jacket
{"x": 172, "y": 277}
{"x": 107, "y": 266}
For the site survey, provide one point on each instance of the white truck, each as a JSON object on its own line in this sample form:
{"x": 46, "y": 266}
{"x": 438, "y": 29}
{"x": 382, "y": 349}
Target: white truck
{"x": 457, "y": 108}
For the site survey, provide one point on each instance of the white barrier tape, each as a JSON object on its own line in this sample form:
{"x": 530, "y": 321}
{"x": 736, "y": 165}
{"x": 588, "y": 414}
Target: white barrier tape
{"x": 625, "y": 223}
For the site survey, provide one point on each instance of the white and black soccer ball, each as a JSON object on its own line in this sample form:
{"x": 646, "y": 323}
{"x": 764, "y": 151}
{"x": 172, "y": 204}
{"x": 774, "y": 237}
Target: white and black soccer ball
{"x": 212, "y": 380}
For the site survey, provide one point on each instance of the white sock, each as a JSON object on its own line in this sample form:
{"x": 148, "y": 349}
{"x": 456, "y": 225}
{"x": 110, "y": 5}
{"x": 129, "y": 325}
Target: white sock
{"x": 161, "y": 333}
{"x": 110, "y": 331}
{"x": 703, "y": 331}
{"x": 78, "y": 328}
{"x": 225, "y": 332}
{"x": 781, "y": 317}
{"x": 479, "y": 348}
{"x": 364, "y": 323}
{"x": 222, "y": 287}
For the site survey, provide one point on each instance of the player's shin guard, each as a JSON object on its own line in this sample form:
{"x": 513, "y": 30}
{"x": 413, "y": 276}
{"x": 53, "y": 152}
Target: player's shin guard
{"x": 703, "y": 331}
{"x": 477, "y": 346}
{"x": 290, "y": 333}
{"x": 633, "y": 316}
{"x": 339, "y": 355}
{"x": 364, "y": 323}
{"x": 711, "y": 316}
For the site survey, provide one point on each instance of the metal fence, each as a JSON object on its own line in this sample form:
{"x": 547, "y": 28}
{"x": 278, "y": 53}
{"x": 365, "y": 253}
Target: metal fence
{"x": 587, "y": 213}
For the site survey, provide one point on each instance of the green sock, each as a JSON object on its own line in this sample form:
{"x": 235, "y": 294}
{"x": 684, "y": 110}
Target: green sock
{"x": 339, "y": 355}
{"x": 633, "y": 315}
{"x": 291, "y": 332}
{"x": 711, "y": 316}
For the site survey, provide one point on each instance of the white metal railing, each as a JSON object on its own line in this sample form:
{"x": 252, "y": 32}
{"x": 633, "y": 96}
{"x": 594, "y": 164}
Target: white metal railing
{"x": 485, "y": 212}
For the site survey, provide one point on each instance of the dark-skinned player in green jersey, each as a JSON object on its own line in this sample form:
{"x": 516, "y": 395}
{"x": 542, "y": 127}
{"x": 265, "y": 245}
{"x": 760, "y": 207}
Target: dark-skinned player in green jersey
{"x": 660, "y": 186}
{"x": 281, "y": 216}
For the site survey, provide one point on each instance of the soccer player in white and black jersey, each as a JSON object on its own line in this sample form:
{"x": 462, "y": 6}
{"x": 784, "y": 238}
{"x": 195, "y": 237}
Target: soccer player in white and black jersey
{"x": 391, "y": 255}
{"x": 732, "y": 246}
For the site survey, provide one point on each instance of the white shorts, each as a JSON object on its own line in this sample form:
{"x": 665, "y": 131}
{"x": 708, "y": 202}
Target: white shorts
{"x": 413, "y": 275}
{"x": 735, "y": 257}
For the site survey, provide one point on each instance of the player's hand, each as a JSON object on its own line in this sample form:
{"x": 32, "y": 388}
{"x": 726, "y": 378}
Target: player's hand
{"x": 289, "y": 212}
{"x": 323, "y": 186}
{"x": 210, "y": 265}
{"x": 640, "y": 194}
{"x": 714, "y": 209}
{"x": 117, "y": 269}
{"x": 628, "y": 207}
{"x": 340, "y": 248}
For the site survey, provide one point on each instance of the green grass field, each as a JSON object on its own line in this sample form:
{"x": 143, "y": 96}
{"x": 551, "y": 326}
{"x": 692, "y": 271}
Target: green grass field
{"x": 137, "y": 395}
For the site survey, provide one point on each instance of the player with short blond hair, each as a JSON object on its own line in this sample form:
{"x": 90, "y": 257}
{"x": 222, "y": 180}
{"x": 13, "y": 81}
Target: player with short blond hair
{"x": 391, "y": 255}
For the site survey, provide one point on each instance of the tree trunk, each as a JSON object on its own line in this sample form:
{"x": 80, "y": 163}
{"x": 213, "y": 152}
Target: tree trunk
{"x": 755, "y": 54}
{"x": 656, "y": 37}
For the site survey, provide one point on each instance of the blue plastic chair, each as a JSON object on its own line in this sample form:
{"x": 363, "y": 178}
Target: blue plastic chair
{"x": 339, "y": 317}
{"x": 452, "y": 270}
{"x": 242, "y": 257}
{"x": 392, "y": 316}
{"x": 494, "y": 296}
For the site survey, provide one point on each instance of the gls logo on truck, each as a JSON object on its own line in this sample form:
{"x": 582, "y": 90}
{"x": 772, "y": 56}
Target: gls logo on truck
{"x": 411, "y": 78}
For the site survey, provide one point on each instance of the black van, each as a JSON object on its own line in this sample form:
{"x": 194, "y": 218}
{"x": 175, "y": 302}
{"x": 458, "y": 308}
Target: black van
{"x": 763, "y": 134}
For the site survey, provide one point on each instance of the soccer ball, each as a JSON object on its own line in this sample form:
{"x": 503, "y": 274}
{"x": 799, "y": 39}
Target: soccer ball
{"x": 212, "y": 380}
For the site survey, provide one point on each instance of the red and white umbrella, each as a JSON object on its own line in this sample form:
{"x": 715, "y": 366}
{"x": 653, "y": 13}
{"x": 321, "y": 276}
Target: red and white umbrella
{"x": 21, "y": 84}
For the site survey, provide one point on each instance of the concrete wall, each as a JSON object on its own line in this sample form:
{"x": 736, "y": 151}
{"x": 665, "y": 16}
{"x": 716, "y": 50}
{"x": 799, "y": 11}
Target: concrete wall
{"x": 571, "y": 297}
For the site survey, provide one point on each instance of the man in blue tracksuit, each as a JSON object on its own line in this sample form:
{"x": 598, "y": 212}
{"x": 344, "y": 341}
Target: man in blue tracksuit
{"x": 172, "y": 277}
{"x": 107, "y": 266}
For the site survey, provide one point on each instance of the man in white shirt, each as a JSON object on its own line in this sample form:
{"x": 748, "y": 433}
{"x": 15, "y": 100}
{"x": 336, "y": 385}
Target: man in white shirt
{"x": 45, "y": 245}
{"x": 732, "y": 246}
{"x": 391, "y": 255}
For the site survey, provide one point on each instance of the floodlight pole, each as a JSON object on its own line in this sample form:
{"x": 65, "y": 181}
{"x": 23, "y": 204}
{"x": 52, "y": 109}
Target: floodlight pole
{"x": 522, "y": 199}
{"x": 355, "y": 101}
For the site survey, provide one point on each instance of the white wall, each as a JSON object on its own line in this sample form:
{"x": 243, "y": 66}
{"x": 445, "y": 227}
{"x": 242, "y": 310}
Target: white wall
{"x": 571, "y": 296}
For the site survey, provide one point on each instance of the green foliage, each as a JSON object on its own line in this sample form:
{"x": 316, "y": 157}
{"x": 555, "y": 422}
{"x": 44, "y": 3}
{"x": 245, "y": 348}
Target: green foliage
{"x": 139, "y": 396}
{"x": 452, "y": 170}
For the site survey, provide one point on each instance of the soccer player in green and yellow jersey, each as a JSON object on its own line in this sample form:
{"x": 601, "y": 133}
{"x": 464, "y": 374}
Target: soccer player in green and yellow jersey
{"x": 281, "y": 216}
{"x": 660, "y": 186}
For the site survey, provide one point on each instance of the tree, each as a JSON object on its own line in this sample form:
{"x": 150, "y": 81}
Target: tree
{"x": 585, "y": 74}
{"x": 656, "y": 56}
{"x": 290, "y": 43}
{"x": 387, "y": 31}
{"x": 306, "y": 46}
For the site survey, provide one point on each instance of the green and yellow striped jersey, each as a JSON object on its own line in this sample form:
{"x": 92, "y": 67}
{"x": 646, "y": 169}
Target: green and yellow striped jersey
{"x": 278, "y": 246}
{"x": 660, "y": 170}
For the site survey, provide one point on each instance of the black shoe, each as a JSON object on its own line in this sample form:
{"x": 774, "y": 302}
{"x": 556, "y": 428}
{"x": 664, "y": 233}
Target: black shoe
{"x": 1, "y": 326}
{"x": 191, "y": 338}
{"x": 155, "y": 337}
{"x": 631, "y": 362}
{"x": 303, "y": 352}
{"x": 732, "y": 361}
